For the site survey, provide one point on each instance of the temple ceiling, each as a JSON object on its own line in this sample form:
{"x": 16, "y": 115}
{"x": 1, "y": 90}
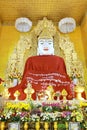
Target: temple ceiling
{"x": 37, "y": 9}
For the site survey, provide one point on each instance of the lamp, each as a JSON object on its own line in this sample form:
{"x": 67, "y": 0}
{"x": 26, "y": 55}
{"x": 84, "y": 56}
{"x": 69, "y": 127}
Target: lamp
{"x": 67, "y": 25}
{"x": 23, "y": 24}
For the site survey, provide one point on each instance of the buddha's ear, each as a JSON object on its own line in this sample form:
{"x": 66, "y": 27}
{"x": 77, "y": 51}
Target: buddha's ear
{"x": 38, "y": 51}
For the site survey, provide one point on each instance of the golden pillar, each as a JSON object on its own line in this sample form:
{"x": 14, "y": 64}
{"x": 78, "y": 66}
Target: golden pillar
{"x": 55, "y": 125}
{"x": 46, "y": 125}
{"x": 26, "y": 126}
{"x": 37, "y": 125}
{"x": 2, "y": 126}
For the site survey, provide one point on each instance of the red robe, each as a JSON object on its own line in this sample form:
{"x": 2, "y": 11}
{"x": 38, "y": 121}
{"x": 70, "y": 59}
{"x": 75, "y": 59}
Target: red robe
{"x": 42, "y": 71}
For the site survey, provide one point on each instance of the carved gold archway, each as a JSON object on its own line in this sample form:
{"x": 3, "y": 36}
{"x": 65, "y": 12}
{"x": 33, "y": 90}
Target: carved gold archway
{"x": 27, "y": 46}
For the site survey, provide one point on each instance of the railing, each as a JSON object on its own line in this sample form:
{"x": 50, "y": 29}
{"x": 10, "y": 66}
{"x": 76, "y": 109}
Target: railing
{"x": 53, "y": 115}
{"x": 40, "y": 126}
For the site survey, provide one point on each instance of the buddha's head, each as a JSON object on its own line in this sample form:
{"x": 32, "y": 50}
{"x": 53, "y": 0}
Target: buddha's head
{"x": 45, "y": 43}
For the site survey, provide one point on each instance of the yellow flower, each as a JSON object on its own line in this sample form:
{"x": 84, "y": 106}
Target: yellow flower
{"x": 20, "y": 105}
{"x": 79, "y": 116}
{"x": 73, "y": 113}
{"x": 83, "y": 104}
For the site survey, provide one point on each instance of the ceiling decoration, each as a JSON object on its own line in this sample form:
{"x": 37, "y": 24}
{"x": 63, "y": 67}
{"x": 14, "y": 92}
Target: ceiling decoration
{"x": 67, "y": 25}
{"x": 35, "y": 10}
{"x": 23, "y": 24}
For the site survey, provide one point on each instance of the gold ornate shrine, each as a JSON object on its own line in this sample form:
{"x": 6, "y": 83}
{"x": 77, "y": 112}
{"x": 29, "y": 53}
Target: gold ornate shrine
{"x": 27, "y": 46}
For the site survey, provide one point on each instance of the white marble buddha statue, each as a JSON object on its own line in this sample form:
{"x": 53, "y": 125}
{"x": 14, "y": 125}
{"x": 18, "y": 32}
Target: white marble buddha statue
{"x": 43, "y": 70}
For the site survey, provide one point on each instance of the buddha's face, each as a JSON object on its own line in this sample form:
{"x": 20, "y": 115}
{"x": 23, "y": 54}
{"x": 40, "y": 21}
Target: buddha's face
{"x": 45, "y": 47}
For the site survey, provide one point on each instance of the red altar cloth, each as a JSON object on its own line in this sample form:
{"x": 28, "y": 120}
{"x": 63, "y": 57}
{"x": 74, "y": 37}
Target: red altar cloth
{"x": 42, "y": 71}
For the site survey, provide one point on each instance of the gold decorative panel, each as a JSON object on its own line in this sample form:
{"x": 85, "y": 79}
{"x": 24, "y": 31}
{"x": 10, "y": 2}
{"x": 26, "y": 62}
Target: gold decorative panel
{"x": 37, "y": 9}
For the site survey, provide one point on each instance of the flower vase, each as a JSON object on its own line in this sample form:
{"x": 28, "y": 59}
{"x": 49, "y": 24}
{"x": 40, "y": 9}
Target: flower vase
{"x": 2, "y": 125}
{"x": 26, "y": 126}
{"x": 46, "y": 125}
{"x": 13, "y": 125}
{"x": 55, "y": 125}
{"x": 37, "y": 125}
